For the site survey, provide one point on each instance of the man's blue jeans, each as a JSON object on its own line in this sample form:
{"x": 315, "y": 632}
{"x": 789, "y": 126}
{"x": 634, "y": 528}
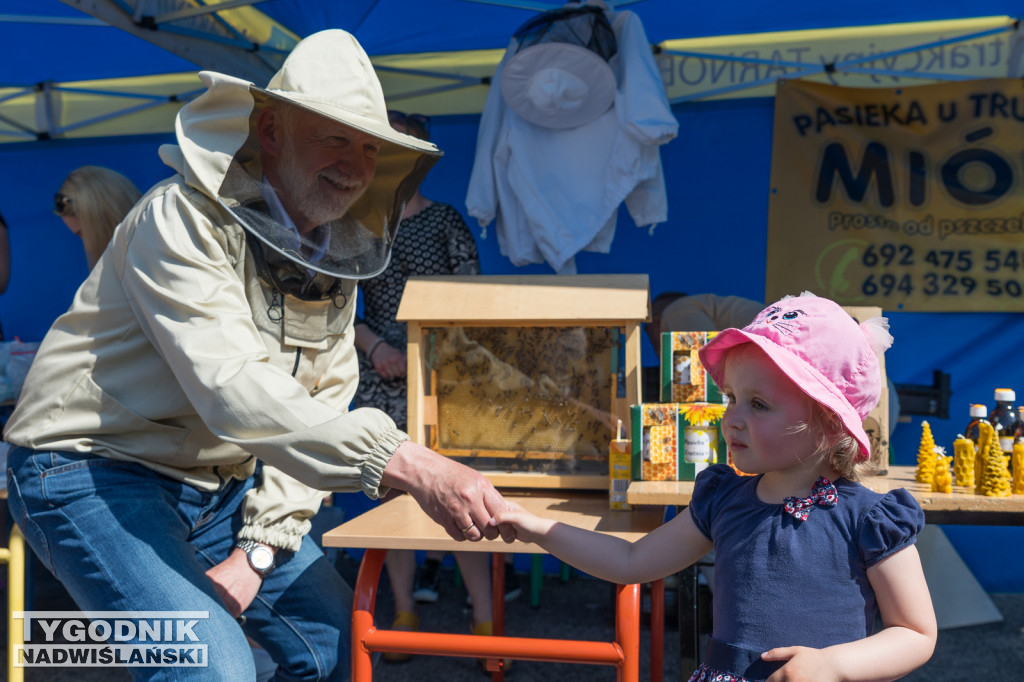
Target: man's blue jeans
{"x": 121, "y": 537}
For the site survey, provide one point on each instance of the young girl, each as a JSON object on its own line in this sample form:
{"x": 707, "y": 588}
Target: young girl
{"x": 804, "y": 556}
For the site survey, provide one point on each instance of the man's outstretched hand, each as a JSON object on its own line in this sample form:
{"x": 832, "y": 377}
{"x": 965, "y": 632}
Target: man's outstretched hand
{"x": 454, "y": 495}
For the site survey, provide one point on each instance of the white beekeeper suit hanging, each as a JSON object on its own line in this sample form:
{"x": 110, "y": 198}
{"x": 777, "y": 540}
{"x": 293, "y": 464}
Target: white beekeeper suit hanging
{"x": 566, "y": 138}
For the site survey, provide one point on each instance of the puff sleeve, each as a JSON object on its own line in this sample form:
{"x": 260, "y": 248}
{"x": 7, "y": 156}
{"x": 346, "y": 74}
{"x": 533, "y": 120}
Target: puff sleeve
{"x": 891, "y": 524}
{"x": 705, "y": 495}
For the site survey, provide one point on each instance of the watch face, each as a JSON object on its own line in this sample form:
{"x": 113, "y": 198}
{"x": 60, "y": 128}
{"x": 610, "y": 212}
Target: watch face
{"x": 261, "y": 558}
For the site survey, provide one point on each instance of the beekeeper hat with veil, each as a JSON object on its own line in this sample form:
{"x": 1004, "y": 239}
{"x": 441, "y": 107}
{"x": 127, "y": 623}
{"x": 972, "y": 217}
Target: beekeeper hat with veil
{"x": 327, "y": 74}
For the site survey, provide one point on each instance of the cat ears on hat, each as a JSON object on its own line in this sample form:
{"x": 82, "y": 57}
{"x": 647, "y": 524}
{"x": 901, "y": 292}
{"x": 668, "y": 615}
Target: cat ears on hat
{"x": 875, "y": 329}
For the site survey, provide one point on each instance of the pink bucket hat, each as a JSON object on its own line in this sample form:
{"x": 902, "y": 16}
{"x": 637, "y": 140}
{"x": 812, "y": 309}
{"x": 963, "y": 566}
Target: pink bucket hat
{"x": 821, "y": 349}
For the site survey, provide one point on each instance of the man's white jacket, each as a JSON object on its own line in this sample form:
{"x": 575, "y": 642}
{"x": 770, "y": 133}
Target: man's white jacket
{"x": 168, "y": 356}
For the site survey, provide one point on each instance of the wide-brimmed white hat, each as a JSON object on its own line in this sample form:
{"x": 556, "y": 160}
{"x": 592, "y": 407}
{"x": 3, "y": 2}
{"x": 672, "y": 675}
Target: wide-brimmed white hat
{"x": 558, "y": 85}
{"x": 330, "y": 74}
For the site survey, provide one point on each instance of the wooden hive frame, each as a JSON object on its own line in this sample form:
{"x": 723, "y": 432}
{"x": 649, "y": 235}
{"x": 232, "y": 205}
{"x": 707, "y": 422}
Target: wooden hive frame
{"x": 603, "y": 301}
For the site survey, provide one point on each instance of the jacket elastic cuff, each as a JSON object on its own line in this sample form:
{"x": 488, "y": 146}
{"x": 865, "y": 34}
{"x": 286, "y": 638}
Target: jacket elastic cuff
{"x": 287, "y": 535}
{"x": 373, "y": 467}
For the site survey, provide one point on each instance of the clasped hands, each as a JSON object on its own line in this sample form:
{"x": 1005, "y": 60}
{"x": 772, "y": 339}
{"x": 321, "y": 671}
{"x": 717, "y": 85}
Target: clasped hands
{"x": 458, "y": 498}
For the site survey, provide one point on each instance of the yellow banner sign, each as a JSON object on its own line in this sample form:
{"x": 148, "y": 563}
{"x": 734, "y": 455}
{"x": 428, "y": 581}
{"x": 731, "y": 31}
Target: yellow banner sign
{"x": 904, "y": 198}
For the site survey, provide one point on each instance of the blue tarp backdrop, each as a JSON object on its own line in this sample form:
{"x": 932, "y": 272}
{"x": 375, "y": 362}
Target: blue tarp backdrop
{"x": 717, "y": 174}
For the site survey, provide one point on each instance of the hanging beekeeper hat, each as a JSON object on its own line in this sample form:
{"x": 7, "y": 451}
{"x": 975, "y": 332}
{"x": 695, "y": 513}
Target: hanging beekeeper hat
{"x": 329, "y": 75}
{"x": 559, "y": 76}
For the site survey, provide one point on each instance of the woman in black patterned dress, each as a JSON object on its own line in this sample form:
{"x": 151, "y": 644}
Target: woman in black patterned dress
{"x": 432, "y": 239}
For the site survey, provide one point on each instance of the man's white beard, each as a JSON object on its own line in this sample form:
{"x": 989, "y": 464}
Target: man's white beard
{"x": 316, "y": 206}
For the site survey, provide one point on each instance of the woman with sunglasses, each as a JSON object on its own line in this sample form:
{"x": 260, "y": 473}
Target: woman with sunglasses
{"x": 92, "y": 200}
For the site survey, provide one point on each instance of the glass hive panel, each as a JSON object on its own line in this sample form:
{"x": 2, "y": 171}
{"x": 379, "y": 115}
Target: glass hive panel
{"x": 533, "y": 399}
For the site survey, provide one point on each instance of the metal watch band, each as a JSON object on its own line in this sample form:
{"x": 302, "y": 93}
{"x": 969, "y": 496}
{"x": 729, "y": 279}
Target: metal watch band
{"x": 247, "y": 546}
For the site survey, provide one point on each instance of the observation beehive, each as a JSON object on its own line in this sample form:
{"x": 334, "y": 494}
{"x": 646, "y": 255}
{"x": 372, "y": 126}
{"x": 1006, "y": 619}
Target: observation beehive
{"x": 524, "y": 378}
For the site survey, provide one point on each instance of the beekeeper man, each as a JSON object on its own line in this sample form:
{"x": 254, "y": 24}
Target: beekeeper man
{"x": 183, "y": 420}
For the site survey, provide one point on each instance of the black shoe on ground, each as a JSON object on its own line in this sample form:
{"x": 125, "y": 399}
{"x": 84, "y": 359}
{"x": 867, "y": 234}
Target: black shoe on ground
{"x": 512, "y": 587}
{"x": 428, "y": 580}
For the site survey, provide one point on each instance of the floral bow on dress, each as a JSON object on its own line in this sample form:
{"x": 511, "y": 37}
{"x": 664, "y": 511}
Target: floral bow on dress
{"x": 823, "y": 494}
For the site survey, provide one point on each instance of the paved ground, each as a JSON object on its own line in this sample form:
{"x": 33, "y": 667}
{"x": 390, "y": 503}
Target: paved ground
{"x": 582, "y": 609}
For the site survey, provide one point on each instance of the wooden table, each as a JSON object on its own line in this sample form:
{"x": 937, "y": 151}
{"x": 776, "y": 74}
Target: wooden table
{"x": 401, "y": 524}
{"x": 958, "y": 507}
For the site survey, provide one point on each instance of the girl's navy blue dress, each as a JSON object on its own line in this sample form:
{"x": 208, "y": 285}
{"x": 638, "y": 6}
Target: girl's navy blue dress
{"x": 780, "y": 581}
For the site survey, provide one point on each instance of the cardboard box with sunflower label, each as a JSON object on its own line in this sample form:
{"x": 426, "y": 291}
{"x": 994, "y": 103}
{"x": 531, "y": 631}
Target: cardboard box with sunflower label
{"x": 675, "y": 441}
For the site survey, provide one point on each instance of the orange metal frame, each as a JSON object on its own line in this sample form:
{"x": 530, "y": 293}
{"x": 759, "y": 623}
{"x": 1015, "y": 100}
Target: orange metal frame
{"x": 623, "y": 653}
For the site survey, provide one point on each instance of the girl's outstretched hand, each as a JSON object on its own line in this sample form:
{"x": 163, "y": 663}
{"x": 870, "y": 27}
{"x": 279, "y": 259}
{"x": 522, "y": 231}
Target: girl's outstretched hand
{"x": 804, "y": 665}
{"x": 528, "y": 527}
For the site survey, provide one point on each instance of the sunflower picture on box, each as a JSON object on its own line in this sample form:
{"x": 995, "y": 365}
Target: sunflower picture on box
{"x": 675, "y": 441}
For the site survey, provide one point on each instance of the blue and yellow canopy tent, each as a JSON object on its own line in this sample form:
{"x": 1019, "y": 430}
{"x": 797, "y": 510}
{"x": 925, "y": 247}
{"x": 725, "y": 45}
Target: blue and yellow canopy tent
{"x": 99, "y": 81}
{"x": 440, "y": 76}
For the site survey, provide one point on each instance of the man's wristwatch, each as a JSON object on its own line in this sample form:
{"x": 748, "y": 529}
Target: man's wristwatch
{"x": 261, "y": 557}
